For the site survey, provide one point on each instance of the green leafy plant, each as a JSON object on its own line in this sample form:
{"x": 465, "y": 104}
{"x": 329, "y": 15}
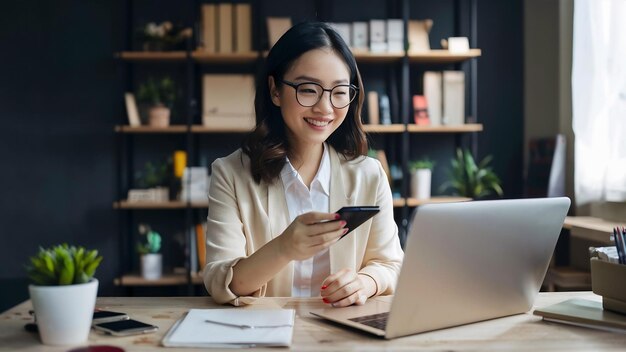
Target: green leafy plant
{"x": 425, "y": 163}
{"x": 157, "y": 91}
{"x": 152, "y": 175}
{"x": 468, "y": 179}
{"x": 152, "y": 243}
{"x": 63, "y": 265}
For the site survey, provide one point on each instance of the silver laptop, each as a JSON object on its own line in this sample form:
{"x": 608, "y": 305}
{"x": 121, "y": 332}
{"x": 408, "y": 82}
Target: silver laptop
{"x": 464, "y": 263}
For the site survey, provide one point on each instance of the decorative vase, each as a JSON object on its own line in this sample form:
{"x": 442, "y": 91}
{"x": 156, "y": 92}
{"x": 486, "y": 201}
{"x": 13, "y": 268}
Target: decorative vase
{"x": 151, "y": 266}
{"x": 64, "y": 313}
{"x": 420, "y": 183}
{"x": 159, "y": 116}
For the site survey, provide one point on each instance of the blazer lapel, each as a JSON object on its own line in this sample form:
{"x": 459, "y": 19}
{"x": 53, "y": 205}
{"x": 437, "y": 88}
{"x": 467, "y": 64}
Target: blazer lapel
{"x": 277, "y": 210}
{"x": 278, "y": 216}
{"x": 342, "y": 253}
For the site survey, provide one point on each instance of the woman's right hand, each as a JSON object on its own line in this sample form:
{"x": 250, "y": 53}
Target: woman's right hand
{"x": 310, "y": 233}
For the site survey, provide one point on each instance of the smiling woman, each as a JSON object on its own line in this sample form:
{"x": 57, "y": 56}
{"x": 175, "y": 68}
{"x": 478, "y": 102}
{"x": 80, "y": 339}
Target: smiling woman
{"x": 270, "y": 229}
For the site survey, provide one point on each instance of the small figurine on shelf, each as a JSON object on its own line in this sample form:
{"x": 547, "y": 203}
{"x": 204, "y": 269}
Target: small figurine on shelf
{"x": 420, "y": 110}
{"x": 160, "y": 96}
{"x": 164, "y": 36}
{"x": 151, "y": 259}
{"x": 421, "y": 175}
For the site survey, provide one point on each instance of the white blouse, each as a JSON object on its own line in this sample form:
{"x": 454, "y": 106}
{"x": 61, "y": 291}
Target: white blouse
{"x": 308, "y": 274}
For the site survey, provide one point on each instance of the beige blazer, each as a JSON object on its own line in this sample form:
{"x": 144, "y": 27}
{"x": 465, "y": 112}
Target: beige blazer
{"x": 244, "y": 215}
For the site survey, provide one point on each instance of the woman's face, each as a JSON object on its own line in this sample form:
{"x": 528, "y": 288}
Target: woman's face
{"x": 312, "y": 125}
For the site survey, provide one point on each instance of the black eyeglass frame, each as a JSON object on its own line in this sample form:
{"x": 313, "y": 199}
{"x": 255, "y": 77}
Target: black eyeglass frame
{"x": 330, "y": 91}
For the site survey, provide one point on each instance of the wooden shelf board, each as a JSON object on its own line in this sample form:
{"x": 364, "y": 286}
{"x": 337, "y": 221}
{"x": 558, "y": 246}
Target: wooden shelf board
{"x": 369, "y": 57}
{"x": 432, "y": 56}
{"x": 398, "y": 202}
{"x": 149, "y": 129}
{"x": 218, "y": 129}
{"x": 198, "y": 56}
{"x": 152, "y": 55}
{"x": 165, "y": 280}
{"x": 224, "y": 58}
{"x": 124, "y": 204}
{"x": 412, "y": 202}
{"x": 469, "y": 127}
{"x": 180, "y": 129}
{"x": 442, "y": 56}
{"x": 395, "y": 128}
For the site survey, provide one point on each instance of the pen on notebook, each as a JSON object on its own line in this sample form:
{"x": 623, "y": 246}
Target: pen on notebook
{"x": 246, "y": 326}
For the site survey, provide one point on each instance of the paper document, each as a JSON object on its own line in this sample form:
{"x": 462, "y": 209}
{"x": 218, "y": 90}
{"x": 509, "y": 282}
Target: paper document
{"x": 232, "y": 328}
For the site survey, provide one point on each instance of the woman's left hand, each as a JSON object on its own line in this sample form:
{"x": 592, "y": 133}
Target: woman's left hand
{"x": 346, "y": 288}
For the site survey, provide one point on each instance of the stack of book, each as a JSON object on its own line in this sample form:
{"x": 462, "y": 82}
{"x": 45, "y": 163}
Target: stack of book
{"x": 226, "y": 28}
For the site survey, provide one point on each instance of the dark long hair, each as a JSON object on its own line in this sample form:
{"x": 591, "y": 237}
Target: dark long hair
{"x": 267, "y": 145}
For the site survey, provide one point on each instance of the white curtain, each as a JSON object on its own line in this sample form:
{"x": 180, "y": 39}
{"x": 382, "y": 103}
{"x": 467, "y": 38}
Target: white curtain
{"x": 599, "y": 100}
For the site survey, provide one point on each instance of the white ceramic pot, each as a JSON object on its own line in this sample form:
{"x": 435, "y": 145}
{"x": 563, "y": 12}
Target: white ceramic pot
{"x": 420, "y": 183}
{"x": 151, "y": 266}
{"x": 64, "y": 313}
{"x": 159, "y": 116}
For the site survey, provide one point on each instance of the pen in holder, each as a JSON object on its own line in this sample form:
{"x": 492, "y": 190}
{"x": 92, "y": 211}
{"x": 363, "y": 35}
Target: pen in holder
{"x": 619, "y": 236}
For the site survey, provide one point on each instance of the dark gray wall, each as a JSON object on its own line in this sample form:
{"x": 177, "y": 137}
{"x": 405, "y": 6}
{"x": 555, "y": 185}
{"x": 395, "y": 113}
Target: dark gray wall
{"x": 500, "y": 89}
{"x": 59, "y": 99}
{"x": 60, "y": 95}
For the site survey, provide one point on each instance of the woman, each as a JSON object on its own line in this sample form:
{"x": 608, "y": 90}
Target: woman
{"x": 270, "y": 228}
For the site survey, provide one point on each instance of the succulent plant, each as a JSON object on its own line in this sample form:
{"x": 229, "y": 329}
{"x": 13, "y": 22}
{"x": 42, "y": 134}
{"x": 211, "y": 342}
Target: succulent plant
{"x": 63, "y": 265}
{"x": 425, "y": 163}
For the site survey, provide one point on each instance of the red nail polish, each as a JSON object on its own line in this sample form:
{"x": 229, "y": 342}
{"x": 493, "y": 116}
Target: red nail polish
{"x": 337, "y": 216}
{"x": 324, "y": 287}
{"x": 345, "y": 231}
{"x": 325, "y": 300}
{"x": 343, "y": 223}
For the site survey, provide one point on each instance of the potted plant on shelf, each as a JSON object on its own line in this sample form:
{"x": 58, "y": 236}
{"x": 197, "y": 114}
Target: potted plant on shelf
{"x": 151, "y": 259}
{"x": 468, "y": 179}
{"x": 421, "y": 175}
{"x": 159, "y": 95}
{"x": 163, "y": 36}
{"x": 63, "y": 293}
{"x": 152, "y": 182}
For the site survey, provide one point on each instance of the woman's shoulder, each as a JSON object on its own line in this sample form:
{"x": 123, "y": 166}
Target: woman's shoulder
{"x": 237, "y": 162}
{"x": 362, "y": 163}
{"x": 362, "y": 167}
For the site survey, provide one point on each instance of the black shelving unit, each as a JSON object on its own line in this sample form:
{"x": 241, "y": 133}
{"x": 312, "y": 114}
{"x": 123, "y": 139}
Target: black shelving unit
{"x": 397, "y": 143}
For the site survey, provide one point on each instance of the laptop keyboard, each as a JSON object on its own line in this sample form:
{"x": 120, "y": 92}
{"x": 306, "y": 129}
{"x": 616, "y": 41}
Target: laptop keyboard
{"x": 377, "y": 321}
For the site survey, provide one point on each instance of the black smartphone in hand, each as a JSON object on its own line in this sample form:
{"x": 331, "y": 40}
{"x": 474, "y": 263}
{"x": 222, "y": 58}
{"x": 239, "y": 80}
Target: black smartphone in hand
{"x": 354, "y": 216}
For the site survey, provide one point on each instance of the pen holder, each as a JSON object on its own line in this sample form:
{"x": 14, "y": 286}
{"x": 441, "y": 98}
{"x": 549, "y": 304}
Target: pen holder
{"x": 609, "y": 281}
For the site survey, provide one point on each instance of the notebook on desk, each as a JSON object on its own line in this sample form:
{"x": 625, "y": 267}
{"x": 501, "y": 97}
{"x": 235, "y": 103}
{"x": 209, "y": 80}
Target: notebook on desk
{"x": 232, "y": 328}
{"x": 464, "y": 263}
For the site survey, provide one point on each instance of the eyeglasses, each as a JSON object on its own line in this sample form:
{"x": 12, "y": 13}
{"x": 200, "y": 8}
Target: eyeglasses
{"x": 310, "y": 93}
